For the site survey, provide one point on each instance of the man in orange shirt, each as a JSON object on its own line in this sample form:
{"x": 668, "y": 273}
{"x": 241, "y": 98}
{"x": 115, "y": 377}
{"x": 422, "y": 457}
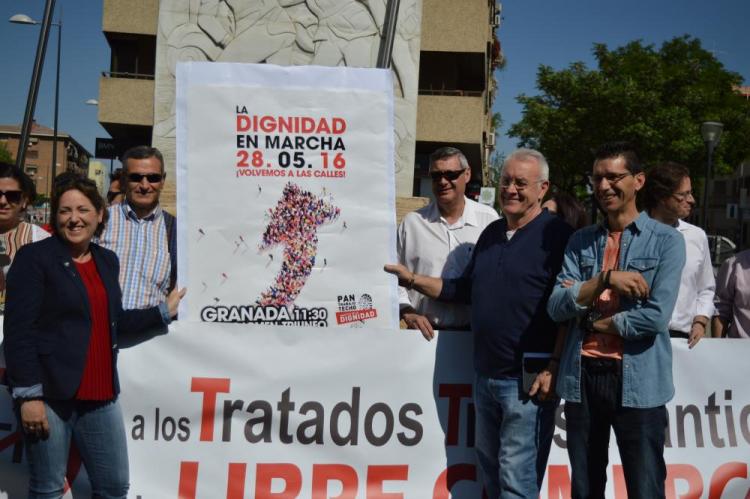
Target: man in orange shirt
{"x": 619, "y": 280}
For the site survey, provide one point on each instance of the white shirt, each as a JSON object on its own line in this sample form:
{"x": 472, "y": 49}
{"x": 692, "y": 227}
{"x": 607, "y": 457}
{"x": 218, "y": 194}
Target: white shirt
{"x": 37, "y": 233}
{"x": 428, "y": 245}
{"x": 697, "y": 284}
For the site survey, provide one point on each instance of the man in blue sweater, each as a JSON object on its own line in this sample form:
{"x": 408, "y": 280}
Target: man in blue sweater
{"x": 507, "y": 283}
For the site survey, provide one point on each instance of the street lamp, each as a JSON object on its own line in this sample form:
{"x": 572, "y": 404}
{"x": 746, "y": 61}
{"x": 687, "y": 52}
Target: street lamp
{"x": 94, "y": 102}
{"x": 711, "y": 133}
{"x": 24, "y": 19}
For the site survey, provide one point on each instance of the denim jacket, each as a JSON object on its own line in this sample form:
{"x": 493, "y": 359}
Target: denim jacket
{"x": 655, "y": 250}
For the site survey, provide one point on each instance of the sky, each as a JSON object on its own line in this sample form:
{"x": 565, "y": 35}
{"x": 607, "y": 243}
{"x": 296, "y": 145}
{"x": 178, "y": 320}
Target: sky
{"x": 85, "y": 54}
{"x": 557, "y": 33}
{"x": 533, "y": 32}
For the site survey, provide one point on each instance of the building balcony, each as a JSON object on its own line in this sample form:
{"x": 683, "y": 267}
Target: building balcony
{"x": 452, "y": 26}
{"x": 126, "y": 99}
{"x": 130, "y": 16}
{"x": 451, "y": 118}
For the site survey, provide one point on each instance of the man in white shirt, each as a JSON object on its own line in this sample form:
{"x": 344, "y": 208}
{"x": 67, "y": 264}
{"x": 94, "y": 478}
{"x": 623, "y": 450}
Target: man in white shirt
{"x": 668, "y": 197}
{"x": 437, "y": 241}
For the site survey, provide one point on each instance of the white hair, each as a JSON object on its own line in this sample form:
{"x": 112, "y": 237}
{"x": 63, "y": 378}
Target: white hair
{"x": 524, "y": 154}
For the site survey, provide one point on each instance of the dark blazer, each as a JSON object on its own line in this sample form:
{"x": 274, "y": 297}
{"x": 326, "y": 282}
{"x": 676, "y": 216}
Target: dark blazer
{"x": 47, "y": 317}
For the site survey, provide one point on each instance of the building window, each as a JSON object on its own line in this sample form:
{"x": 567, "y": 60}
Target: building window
{"x": 30, "y": 154}
{"x": 133, "y": 56}
{"x": 452, "y": 73}
{"x": 31, "y": 170}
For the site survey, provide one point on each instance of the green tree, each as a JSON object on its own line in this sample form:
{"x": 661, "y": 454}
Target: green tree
{"x": 497, "y": 158}
{"x": 655, "y": 99}
{"x": 5, "y": 155}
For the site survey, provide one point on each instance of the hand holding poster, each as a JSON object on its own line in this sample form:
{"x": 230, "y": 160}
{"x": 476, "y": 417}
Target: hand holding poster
{"x": 293, "y": 165}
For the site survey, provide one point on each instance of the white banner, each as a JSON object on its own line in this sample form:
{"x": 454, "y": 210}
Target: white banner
{"x": 226, "y": 411}
{"x": 286, "y": 194}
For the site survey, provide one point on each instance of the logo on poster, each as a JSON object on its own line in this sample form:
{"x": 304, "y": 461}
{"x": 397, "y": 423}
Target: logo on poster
{"x": 352, "y": 309}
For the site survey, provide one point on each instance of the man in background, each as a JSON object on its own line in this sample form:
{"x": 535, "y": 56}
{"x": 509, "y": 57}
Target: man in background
{"x": 115, "y": 193}
{"x": 437, "y": 240}
{"x": 141, "y": 233}
{"x": 668, "y": 196}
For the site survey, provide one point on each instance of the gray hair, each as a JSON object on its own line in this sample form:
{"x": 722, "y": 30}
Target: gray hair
{"x": 449, "y": 152}
{"x": 530, "y": 154}
{"x": 141, "y": 152}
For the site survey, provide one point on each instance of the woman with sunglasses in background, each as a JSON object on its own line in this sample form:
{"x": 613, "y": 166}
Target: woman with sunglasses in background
{"x": 16, "y": 192}
{"x": 63, "y": 320}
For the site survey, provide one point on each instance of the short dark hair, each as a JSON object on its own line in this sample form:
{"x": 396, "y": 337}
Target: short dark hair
{"x": 142, "y": 152}
{"x": 64, "y": 178}
{"x": 116, "y": 175}
{"x": 88, "y": 188}
{"x": 449, "y": 152}
{"x": 570, "y": 209}
{"x": 26, "y": 185}
{"x": 662, "y": 181}
{"x": 612, "y": 150}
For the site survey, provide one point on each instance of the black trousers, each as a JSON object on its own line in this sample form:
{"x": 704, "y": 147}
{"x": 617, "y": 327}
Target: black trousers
{"x": 640, "y": 435}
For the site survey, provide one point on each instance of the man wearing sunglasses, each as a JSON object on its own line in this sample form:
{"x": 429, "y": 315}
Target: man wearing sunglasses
{"x": 141, "y": 233}
{"x": 617, "y": 289}
{"x": 437, "y": 240}
{"x": 115, "y": 194}
{"x": 507, "y": 282}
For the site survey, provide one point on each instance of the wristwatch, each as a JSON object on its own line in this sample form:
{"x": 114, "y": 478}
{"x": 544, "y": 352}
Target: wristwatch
{"x": 588, "y": 320}
{"x": 20, "y": 400}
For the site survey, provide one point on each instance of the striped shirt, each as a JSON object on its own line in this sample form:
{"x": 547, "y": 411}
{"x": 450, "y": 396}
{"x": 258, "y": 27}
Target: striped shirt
{"x": 10, "y": 242}
{"x": 141, "y": 246}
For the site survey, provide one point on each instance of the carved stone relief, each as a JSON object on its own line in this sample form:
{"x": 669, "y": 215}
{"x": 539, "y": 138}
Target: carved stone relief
{"x": 287, "y": 32}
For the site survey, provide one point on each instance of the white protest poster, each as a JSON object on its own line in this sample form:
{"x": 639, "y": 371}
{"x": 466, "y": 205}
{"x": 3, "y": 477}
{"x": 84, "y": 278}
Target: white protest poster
{"x": 300, "y": 413}
{"x": 295, "y": 413}
{"x": 286, "y": 194}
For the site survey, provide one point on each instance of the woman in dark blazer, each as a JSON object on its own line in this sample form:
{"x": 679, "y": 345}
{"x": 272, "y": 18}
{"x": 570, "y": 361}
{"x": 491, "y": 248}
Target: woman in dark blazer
{"x": 62, "y": 319}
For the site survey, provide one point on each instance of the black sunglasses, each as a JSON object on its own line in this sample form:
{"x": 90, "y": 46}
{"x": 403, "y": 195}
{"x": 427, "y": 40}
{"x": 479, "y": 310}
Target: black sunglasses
{"x": 450, "y": 175}
{"x": 153, "y": 178}
{"x": 13, "y": 197}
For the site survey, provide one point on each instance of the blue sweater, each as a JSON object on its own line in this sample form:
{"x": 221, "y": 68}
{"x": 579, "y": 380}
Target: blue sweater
{"x": 507, "y": 283}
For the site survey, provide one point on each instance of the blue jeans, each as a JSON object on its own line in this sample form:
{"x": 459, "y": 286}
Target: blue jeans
{"x": 99, "y": 433}
{"x": 513, "y": 437}
{"x": 640, "y": 436}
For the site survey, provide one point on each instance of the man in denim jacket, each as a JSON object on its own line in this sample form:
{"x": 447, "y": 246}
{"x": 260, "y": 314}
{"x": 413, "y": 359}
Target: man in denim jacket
{"x": 617, "y": 287}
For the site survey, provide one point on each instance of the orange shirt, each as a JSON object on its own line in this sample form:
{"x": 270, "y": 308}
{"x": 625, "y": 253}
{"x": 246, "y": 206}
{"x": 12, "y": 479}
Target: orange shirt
{"x": 602, "y": 345}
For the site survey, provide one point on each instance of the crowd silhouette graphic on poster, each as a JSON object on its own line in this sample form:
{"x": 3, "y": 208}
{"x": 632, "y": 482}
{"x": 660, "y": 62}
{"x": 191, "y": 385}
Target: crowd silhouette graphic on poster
{"x": 294, "y": 223}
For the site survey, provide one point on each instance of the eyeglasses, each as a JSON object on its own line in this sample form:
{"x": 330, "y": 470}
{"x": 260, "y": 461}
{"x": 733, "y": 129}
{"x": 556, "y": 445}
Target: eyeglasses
{"x": 521, "y": 184}
{"x": 153, "y": 178}
{"x": 13, "y": 197}
{"x": 449, "y": 175}
{"x": 611, "y": 178}
{"x": 682, "y": 196}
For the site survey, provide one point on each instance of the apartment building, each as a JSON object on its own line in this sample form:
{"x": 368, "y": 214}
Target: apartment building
{"x": 71, "y": 155}
{"x": 456, "y": 89}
